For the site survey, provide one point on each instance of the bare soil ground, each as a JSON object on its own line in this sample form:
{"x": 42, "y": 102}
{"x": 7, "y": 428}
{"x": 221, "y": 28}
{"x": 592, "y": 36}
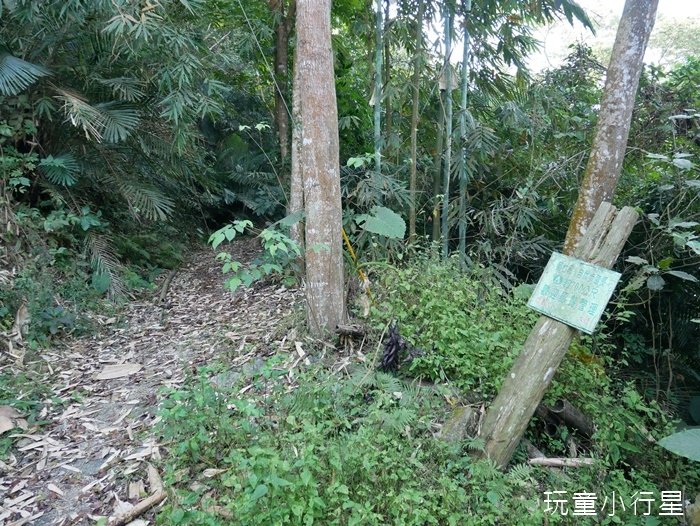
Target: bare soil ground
{"x": 94, "y": 452}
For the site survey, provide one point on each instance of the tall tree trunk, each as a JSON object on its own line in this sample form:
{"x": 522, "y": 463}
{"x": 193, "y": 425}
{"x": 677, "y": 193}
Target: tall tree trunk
{"x": 296, "y": 190}
{"x": 598, "y": 241}
{"x": 437, "y": 173}
{"x": 283, "y": 20}
{"x": 378, "y": 88}
{"x": 387, "y": 76}
{"x": 463, "y": 173}
{"x": 610, "y": 142}
{"x": 414, "y": 122}
{"x": 445, "y": 231}
{"x": 318, "y": 163}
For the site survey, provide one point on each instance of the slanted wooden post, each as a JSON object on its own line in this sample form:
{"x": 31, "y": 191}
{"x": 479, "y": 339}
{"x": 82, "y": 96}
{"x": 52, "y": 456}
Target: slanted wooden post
{"x": 530, "y": 376}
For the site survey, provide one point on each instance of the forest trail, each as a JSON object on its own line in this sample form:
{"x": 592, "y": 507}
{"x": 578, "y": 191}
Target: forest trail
{"x": 91, "y": 457}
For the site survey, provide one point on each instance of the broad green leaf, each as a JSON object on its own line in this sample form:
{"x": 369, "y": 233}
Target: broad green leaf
{"x": 657, "y": 156}
{"x": 240, "y": 226}
{"x": 177, "y": 515}
{"x": 682, "y": 224}
{"x": 216, "y": 239}
{"x": 305, "y": 477}
{"x": 683, "y": 164}
{"x": 683, "y": 275}
{"x": 685, "y": 443}
{"x": 666, "y": 263}
{"x": 259, "y": 492}
{"x": 637, "y": 260}
{"x": 383, "y": 222}
{"x": 291, "y": 219}
{"x": 233, "y": 284}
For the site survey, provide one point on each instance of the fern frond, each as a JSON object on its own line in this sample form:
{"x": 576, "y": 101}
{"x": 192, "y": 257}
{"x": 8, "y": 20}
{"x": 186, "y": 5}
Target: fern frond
{"x": 16, "y": 74}
{"x": 521, "y": 474}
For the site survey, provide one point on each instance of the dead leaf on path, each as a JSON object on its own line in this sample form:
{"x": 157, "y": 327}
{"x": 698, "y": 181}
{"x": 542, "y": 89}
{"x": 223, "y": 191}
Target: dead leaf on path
{"x": 10, "y": 418}
{"x": 9, "y": 411}
{"x": 118, "y": 371}
{"x": 54, "y": 488}
{"x": 121, "y": 507}
{"x": 212, "y": 472}
{"x": 136, "y": 490}
{"x": 6, "y": 424}
{"x": 154, "y": 480}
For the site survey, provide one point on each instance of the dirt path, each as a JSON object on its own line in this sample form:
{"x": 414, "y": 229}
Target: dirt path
{"x": 90, "y": 459}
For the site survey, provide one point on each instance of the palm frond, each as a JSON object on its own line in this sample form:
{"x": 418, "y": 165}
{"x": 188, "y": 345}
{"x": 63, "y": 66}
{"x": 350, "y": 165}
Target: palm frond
{"x": 117, "y": 121}
{"x": 81, "y": 114}
{"x": 125, "y": 88}
{"x": 148, "y": 202}
{"x": 60, "y": 170}
{"x": 16, "y": 74}
{"x": 9, "y": 5}
{"x": 99, "y": 249}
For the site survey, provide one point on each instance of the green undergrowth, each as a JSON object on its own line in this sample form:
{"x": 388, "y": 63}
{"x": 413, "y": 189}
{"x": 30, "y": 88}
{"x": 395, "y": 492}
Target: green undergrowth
{"x": 68, "y": 265}
{"x": 28, "y": 393}
{"x": 361, "y": 448}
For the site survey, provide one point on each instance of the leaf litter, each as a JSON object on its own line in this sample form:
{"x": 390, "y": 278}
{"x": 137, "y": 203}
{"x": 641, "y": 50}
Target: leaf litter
{"x": 95, "y": 454}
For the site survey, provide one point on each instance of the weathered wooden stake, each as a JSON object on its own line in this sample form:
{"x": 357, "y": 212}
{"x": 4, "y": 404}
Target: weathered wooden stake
{"x": 530, "y": 376}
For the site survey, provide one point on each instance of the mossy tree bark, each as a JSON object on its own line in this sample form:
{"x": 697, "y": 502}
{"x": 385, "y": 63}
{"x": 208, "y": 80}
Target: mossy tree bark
{"x": 615, "y": 115}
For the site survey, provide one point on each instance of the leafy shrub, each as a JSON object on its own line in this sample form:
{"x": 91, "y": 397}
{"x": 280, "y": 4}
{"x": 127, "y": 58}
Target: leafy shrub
{"x": 279, "y": 257}
{"x": 159, "y": 247}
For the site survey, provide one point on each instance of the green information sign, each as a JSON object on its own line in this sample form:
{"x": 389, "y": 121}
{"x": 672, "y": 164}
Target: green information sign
{"x": 573, "y": 291}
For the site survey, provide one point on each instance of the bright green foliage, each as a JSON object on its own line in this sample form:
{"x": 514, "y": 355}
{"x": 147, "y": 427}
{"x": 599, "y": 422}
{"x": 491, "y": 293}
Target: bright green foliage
{"x": 457, "y": 320}
{"x": 121, "y": 89}
{"x": 25, "y": 392}
{"x": 360, "y": 449}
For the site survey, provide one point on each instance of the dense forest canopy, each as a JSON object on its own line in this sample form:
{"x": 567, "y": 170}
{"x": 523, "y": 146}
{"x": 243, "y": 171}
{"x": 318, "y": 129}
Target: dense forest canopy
{"x": 133, "y": 132}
